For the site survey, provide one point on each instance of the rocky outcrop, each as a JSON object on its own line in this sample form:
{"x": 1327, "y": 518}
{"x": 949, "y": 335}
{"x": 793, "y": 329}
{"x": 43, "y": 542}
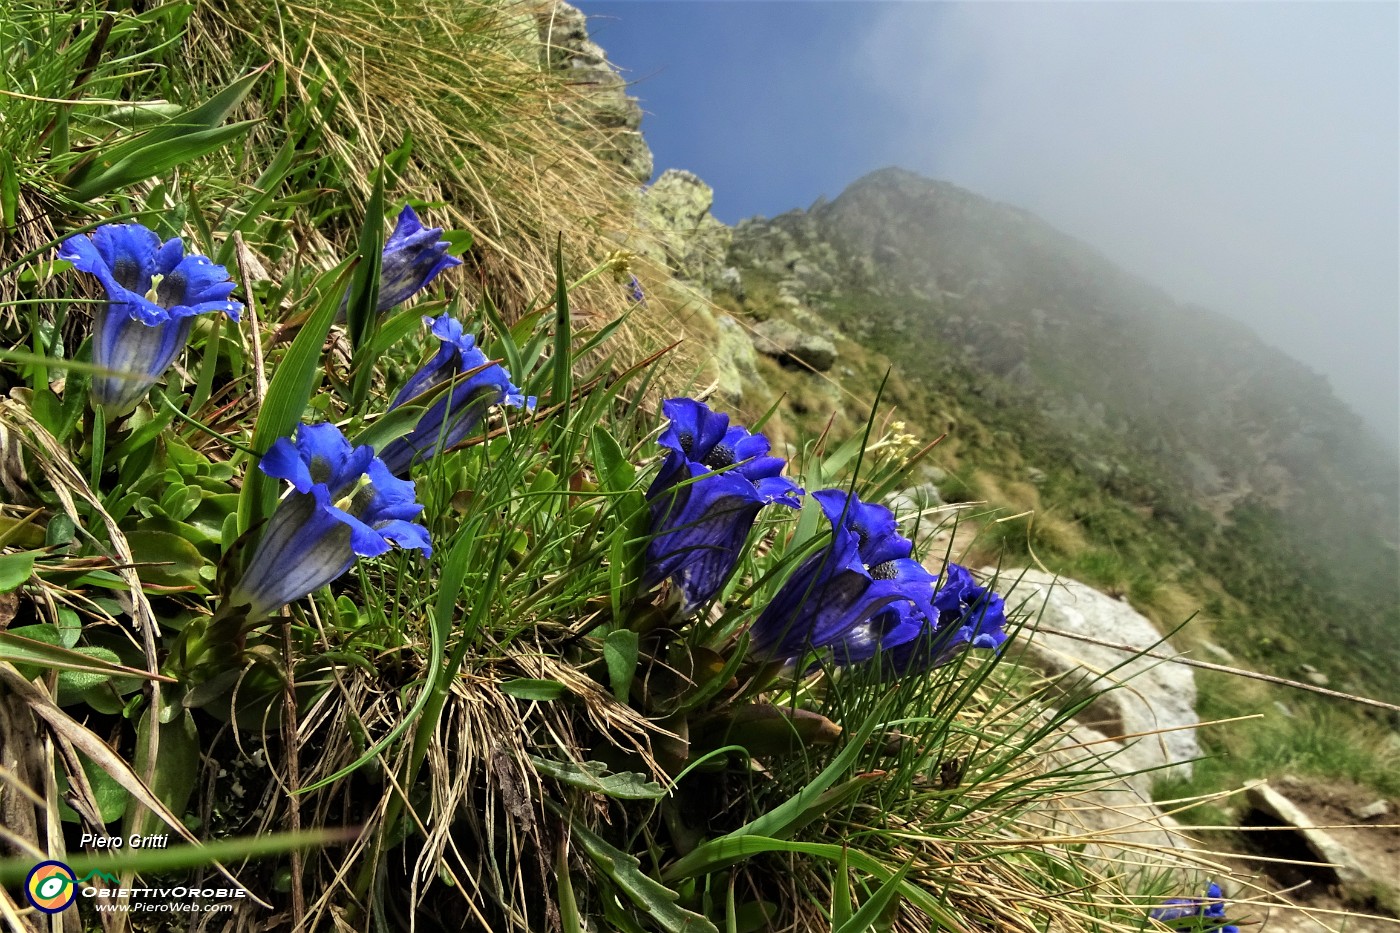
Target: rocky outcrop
{"x": 1288, "y": 815}
{"x": 736, "y": 365}
{"x": 789, "y": 249}
{"x": 680, "y": 233}
{"x": 604, "y": 106}
{"x": 793, "y": 346}
{"x": 914, "y": 499}
{"x": 1147, "y": 706}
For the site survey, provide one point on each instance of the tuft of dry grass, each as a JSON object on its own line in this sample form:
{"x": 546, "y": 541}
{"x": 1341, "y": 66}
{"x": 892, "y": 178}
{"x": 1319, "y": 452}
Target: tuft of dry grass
{"x": 467, "y": 84}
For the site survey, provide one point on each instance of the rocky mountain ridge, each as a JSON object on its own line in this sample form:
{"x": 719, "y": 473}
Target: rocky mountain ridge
{"x": 987, "y": 314}
{"x": 999, "y": 291}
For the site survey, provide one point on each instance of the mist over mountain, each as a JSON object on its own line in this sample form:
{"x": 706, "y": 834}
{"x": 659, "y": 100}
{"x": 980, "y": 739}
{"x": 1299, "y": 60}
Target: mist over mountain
{"x": 1039, "y": 308}
{"x": 1244, "y": 456}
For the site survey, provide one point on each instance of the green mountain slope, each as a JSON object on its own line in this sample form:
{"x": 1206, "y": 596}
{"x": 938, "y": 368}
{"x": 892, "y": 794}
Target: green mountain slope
{"x": 1169, "y": 453}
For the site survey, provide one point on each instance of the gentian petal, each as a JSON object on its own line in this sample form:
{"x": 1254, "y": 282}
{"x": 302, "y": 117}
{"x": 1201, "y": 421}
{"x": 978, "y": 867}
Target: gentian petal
{"x": 346, "y": 504}
{"x": 152, "y": 291}
{"x": 284, "y": 461}
{"x": 712, "y": 484}
{"x": 461, "y": 407}
{"x": 1194, "y": 914}
{"x": 302, "y": 549}
{"x": 838, "y": 599}
{"x": 406, "y": 535}
{"x": 170, "y": 255}
{"x": 364, "y": 540}
{"x": 129, "y": 252}
{"x": 694, "y": 429}
{"x": 413, "y": 256}
{"x": 135, "y": 353}
{"x": 966, "y": 615}
{"x": 393, "y": 498}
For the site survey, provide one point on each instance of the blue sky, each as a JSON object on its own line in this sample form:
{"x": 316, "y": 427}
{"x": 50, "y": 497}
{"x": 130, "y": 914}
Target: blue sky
{"x": 1243, "y": 156}
{"x": 763, "y": 100}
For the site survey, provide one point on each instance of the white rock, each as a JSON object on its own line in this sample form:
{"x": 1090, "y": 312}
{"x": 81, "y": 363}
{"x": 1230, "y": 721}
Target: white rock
{"x": 1372, "y": 810}
{"x": 1144, "y": 695}
{"x": 1270, "y": 802}
{"x": 1116, "y": 819}
{"x": 1220, "y": 654}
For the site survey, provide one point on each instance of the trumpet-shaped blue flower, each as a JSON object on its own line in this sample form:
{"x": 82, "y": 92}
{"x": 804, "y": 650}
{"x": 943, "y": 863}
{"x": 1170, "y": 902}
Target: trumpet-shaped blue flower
{"x": 413, "y": 256}
{"x": 1196, "y": 914}
{"x": 458, "y": 409}
{"x": 343, "y": 503}
{"x": 966, "y": 615}
{"x": 153, "y": 293}
{"x": 837, "y": 597}
{"x": 705, "y": 499}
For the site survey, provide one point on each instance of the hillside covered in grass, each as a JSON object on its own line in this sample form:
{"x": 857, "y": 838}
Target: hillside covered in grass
{"x": 372, "y": 557}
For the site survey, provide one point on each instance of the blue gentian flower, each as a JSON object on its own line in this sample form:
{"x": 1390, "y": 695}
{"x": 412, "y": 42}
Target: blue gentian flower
{"x": 706, "y": 498}
{"x": 836, "y": 598}
{"x": 343, "y": 503}
{"x": 461, "y": 406}
{"x": 966, "y": 615}
{"x": 153, "y": 293}
{"x": 413, "y": 255}
{"x": 634, "y": 288}
{"x": 897, "y": 625}
{"x": 1195, "y": 914}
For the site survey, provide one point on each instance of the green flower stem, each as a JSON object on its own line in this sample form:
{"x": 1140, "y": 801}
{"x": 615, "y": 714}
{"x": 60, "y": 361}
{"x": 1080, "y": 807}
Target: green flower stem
{"x": 99, "y": 447}
{"x": 204, "y": 427}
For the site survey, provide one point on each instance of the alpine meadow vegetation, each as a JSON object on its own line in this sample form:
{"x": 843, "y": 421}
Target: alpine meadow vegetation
{"x": 399, "y": 572}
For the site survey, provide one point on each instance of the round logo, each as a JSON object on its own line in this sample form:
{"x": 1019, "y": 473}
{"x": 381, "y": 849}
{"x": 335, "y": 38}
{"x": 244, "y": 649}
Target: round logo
{"x": 51, "y": 886}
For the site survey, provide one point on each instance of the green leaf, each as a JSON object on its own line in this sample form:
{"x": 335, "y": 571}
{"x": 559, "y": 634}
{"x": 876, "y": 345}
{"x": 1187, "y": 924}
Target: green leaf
{"x": 392, "y": 424}
{"x": 362, "y": 307}
{"x": 21, "y": 531}
{"x": 841, "y": 893}
{"x": 178, "y": 560}
{"x": 620, "y": 653}
{"x": 526, "y": 688}
{"x": 154, "y": 159}
{"x": 15, "y": 569}
{"x": 183, "y": 137}
{"x": 563, "y": 338}
{"x": 616, "y": 473}
{"x": 562, "y": 362}
{"x": 591, "y": 775}
{"x": 176, "y": 767}
{"x": 41, "y": 645}
{"x": 70, "y": 627}
{"x": 9, "y": 191}
{"x": 293, "y": 382}
{"x": 569, "y": 914}
{"x": 879, "y": 902}
{"x": 653, "y": 898}
{"x": 395, "y": 328}
{"x": 73, "y": 682}
{"x": 111, "y": 797}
